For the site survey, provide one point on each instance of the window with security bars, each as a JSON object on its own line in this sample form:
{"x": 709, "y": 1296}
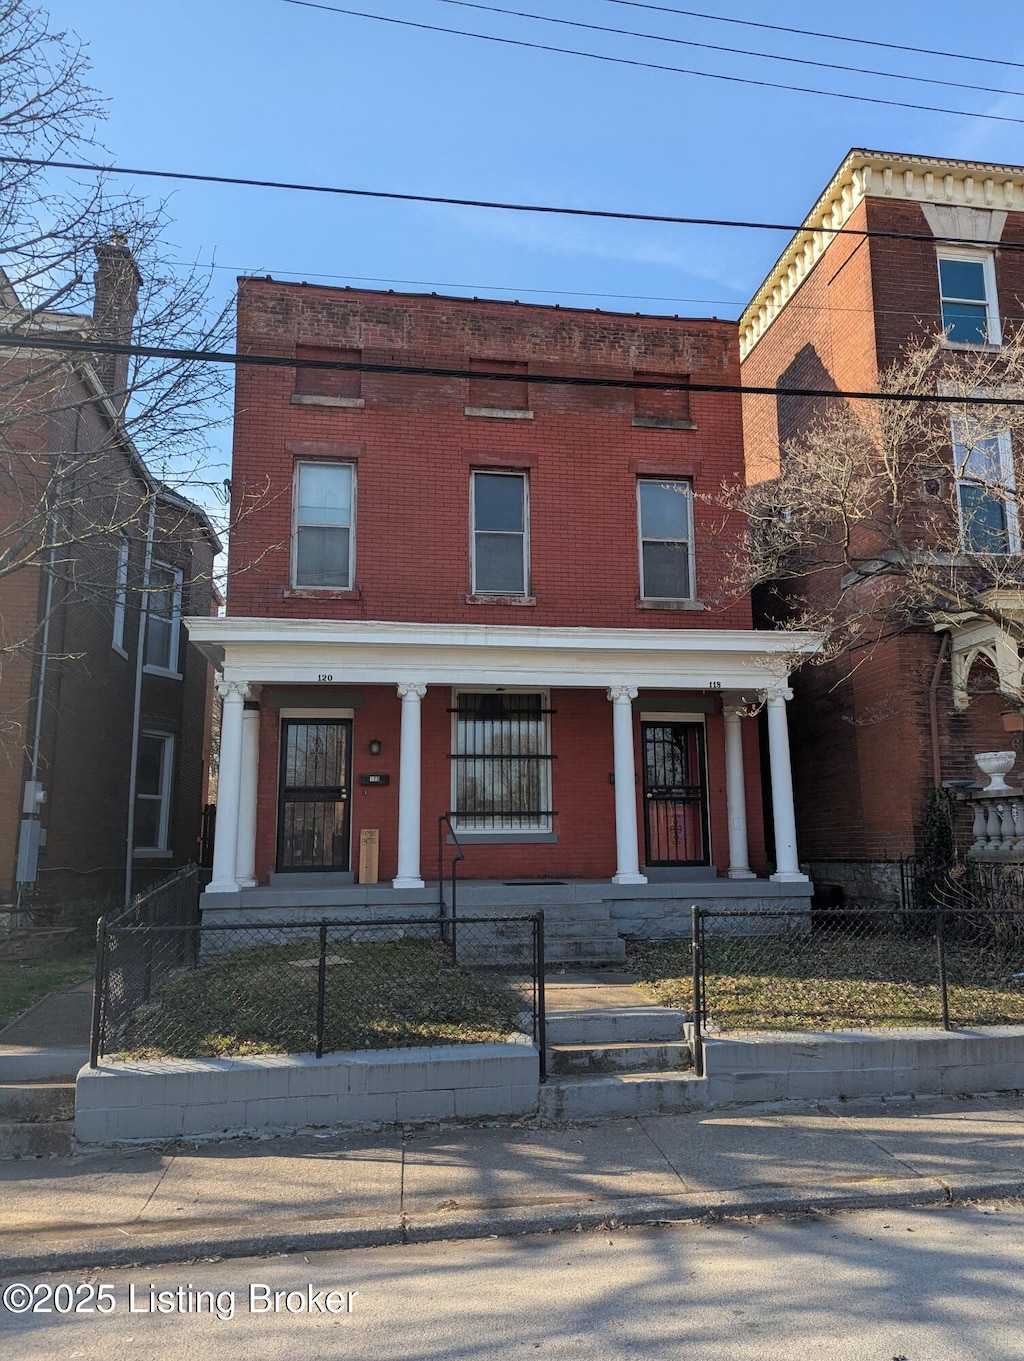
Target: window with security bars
{"x": 501, "y": 763}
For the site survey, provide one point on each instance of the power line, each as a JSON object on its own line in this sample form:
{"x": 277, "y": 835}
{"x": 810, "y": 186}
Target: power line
{"x": 734, "y": 51}
{"x": 66, "y": 344}
{"x": 649, "y": 65}
{"x": 811, "y": 33}
{"x": 391, "y": 195}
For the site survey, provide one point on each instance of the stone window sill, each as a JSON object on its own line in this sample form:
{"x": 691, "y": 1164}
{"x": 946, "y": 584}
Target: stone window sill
{"x": 670, "y": 605}
{"x": 662, "y": 423}
{"x": 506, "y": 839}
{"x": 312, "y": 399}
{"x": 501, "y": 600}
{"x": 499, "y": 413}
{"x": 322, "y": 593}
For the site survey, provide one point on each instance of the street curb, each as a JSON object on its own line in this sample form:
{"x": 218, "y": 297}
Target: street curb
{"x": 143, "y": 1248}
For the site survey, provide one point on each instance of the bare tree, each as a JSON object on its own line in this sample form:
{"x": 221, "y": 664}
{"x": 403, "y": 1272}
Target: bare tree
{"x": 896, "y": 512}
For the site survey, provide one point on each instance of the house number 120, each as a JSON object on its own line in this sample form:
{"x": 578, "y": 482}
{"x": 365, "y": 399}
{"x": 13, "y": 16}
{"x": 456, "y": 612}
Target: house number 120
{"x": 323, "y": 677}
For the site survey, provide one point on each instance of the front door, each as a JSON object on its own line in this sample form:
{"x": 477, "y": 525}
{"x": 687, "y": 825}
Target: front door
{"x": 675, "y": 793}
{"x": 313, "y": 818}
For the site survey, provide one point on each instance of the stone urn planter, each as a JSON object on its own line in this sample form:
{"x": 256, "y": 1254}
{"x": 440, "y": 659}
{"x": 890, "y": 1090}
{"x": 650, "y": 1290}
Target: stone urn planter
{"x": 995, "y": 764}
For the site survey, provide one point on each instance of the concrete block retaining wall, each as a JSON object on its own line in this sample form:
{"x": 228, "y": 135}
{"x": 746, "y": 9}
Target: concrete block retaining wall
{"x": 172, "y": 1098}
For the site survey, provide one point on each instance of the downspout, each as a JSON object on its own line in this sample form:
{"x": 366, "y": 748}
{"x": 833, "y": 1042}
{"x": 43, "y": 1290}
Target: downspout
{"x": 140, "y": 654}
{"x": 933, "y": 712}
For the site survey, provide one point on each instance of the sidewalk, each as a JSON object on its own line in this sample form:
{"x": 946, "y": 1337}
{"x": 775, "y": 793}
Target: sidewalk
{"x": 249, "y": 1196}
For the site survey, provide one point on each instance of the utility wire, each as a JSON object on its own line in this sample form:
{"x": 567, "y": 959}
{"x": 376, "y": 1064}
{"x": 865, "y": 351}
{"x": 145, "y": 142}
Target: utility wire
{"x": 734, "y": 51}
{"x": 811, "y": 33}
{"x": 511, "y": 207}
{"x": 649, "y": 65}
{"x": 10, "y": 340}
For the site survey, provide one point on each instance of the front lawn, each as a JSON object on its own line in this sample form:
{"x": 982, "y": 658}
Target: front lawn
{"x": 23, "y": 983}
{"x": 814, "y": 981}
{"x": 263, "y": 1001}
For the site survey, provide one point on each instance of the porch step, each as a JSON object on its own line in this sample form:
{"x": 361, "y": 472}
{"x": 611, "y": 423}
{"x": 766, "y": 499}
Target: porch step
{"x": 624, "y": 1094}
{"x": 37, "y": 1102}
{"x": 617, "y": 1025}
{"x": 580, "y": 1059}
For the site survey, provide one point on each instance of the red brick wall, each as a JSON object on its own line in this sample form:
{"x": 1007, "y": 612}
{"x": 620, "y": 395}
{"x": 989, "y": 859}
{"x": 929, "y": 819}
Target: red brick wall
{"x": 414, "y": 448}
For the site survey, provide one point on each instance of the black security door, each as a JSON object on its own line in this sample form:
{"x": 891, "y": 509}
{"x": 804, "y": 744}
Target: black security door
{"x": 313, "y": 818}
{"x": 675, "y": 797}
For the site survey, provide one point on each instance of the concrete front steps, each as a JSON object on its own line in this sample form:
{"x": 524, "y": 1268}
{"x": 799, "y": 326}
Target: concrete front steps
{"x": 37, "y": 1118}
{"x": 618, "y": 1061}
{"x": 577, "y": 935}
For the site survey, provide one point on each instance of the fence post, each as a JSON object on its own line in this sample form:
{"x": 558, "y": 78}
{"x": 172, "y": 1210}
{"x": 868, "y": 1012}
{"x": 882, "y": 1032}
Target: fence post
{"x": 698, "y": 1001}
{"x": 321, "y": 988}
{"x": 940, "y": 943}
{"x": 99, "y": 979}
{"x": 538, "y": 966}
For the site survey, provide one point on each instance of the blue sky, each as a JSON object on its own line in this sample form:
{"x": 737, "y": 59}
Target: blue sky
{"x": 267, "y": 89}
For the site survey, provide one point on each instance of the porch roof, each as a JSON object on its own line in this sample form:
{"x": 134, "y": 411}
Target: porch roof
{"x": 309, "y": 651}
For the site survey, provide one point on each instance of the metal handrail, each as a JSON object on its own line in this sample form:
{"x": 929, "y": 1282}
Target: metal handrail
{"x": 444, "y": 916}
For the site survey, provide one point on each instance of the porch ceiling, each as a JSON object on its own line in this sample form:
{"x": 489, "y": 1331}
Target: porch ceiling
{"x": 309, "y": 651}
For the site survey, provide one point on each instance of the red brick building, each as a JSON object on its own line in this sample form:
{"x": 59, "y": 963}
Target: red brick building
{"x": 473, "y": 576}
{"x": 874, "y": 733}
{"x": 106, "y": 719}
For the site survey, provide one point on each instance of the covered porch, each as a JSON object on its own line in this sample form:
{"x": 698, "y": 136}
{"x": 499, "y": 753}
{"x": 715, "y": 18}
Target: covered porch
{"x": 398, "y": 690}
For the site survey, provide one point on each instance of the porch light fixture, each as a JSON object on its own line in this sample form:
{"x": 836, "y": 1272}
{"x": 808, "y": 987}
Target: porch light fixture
{"x": 375, "y": 747}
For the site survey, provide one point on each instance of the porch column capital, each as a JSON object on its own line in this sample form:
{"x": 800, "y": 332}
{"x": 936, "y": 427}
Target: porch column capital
{"x": 778, "y": 694}
{"x": 231, "y": 689}
{"x": 411, "y": 690}
{"x": 622, "y": 694}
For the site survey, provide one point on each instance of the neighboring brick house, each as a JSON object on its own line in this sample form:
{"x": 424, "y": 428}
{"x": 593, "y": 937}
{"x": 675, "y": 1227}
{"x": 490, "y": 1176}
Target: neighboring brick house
{"x": 875, "y": 732}
{"x": 486, "y": 592}
{"x": 83, "y": 523}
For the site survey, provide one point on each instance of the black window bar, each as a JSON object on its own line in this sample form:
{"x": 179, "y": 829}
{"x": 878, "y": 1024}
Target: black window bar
{"x": 502, "y": 752}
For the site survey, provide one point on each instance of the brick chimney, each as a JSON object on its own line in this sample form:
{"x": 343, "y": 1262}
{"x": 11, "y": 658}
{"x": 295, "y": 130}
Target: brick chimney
{"x": 115, "y": 303}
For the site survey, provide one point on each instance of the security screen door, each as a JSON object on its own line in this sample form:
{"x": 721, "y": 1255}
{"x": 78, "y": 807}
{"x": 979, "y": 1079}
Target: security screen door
{"x": 675, "y": 793}
{"x": 313, "y": 817}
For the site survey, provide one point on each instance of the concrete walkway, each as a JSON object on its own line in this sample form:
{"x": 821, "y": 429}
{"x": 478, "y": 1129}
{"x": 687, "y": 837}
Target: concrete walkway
{"x": 247, "y": 1196}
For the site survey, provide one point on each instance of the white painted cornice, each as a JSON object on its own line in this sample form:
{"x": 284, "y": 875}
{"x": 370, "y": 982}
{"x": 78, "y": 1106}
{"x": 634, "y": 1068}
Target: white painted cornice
{"x": 983, "y": 193}
{"x": 302, "y": 651}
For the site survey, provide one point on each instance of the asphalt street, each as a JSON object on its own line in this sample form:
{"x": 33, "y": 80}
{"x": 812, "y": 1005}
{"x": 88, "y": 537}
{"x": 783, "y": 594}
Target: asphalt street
{"x": 942, "y": 1284}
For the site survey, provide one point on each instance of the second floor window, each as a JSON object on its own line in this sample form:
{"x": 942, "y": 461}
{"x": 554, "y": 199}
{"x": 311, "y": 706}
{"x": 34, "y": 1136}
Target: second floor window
{"x": 120, "y": 592}
{"x": 986, "y": 491}
{"x": 500, "y": 511}
{"x": 323, "y": 525}
{"x": 163, "y": 617}
{"x": 666, "y": 540}
{"x": 967, "y": 290}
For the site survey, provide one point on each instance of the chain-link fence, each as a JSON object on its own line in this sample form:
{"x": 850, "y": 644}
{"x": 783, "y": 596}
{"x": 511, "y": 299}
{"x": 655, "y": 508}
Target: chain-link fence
{"x": 809, "y": 970}
{"x": 207, "y": 990}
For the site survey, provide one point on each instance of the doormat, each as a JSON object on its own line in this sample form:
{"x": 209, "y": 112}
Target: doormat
{"x": 535, "y": 883}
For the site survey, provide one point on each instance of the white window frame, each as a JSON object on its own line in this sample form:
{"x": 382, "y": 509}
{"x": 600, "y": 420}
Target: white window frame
{"x": 164, "y": 797}
{"x": 1008, "y": 483}
{"x": 993, "y": 329}
{"x": 174, "y": 648}
{"x": 524, "y": 477}
{"x": 641, "y": 539}
{"x": 351, "y": 526}
{"x": 510, "y": 829}
{"x": 120, "y": 594}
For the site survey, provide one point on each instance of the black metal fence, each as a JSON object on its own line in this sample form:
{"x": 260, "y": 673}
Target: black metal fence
{"x": 199, "y": 989}
{"x": 954, "y": 966}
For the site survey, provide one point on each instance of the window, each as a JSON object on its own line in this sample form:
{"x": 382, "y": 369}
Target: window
{"x": 501, "y": 764}
{"x": 120, "y": 592}
{"x": 330, "y": 383}
{"x": 666, "y": 540}
{"x": 323, "y": 525}
{"x": 500, "y": 548}
{"x": 153, "y": 792}
{"x": 164, "y": 610}
{"x": 967, "y": 290}
{"x": 986, "y": 491}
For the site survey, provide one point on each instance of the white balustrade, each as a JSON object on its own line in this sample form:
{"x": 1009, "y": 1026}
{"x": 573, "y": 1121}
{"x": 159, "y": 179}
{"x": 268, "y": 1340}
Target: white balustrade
{"x": 998, "y": 824}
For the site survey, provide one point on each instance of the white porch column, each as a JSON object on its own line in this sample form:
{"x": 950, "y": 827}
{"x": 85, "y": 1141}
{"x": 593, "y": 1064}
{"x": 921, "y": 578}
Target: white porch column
{"x": 410, "y": 693}
{"x": 736, "y": 793}
{"x": 787, "y": 866}
{"x": 626, "y": 845}
{"x": 229, "y": 786}
{"x": 245, "y": 863}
